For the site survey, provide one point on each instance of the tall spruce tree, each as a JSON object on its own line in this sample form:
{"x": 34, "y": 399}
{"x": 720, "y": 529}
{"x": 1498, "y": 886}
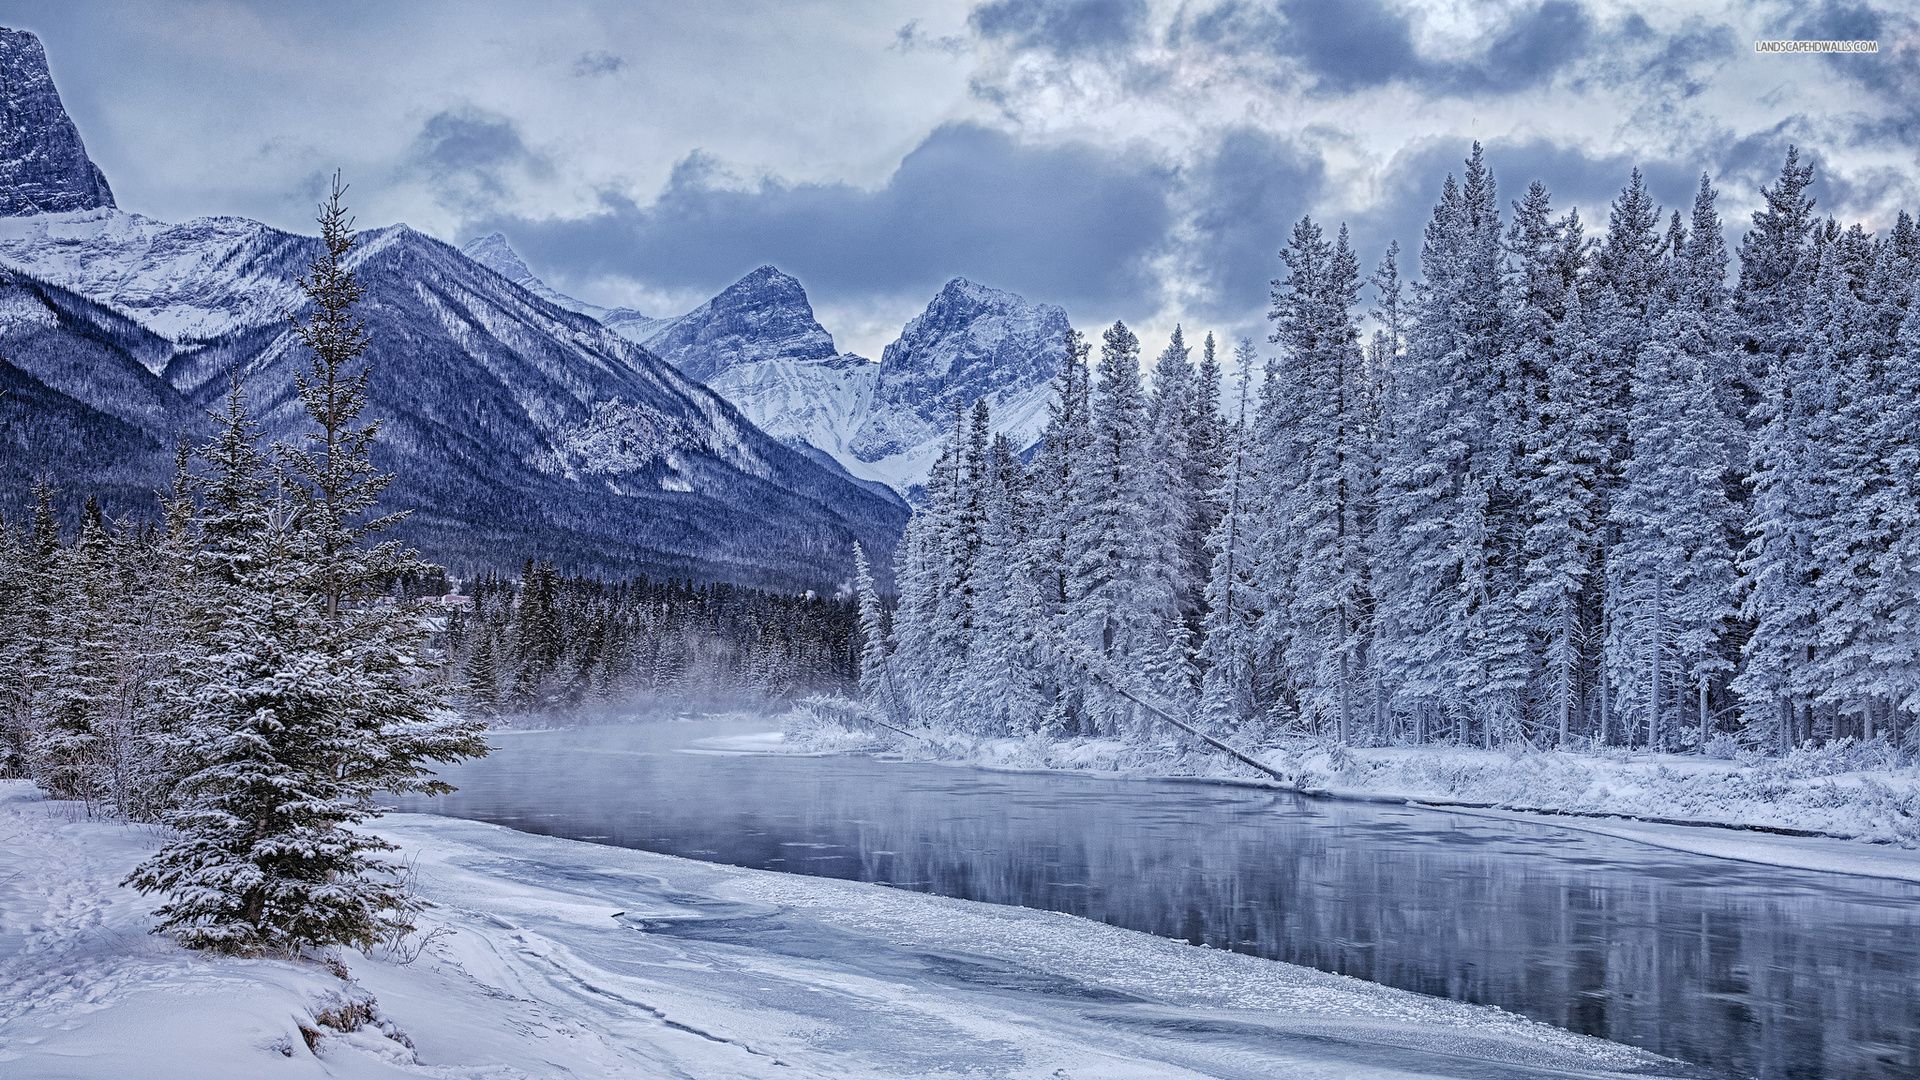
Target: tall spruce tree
{"x": 265, "y": 858}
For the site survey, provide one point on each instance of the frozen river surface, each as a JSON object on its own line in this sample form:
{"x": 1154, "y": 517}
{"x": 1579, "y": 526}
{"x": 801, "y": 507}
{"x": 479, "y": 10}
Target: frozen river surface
{"x": 1741, "y": 969}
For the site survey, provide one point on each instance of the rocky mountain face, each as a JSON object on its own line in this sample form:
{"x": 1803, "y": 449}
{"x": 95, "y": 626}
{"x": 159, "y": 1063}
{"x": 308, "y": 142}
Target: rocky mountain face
{"x": 764, "y": 316}
{"x": 515, "y": 426}
{"x": 759, "y": 346}
{"x": 971, "y": 343}
{"x": 493, "y": 252}
{"x": 44, "y": 167}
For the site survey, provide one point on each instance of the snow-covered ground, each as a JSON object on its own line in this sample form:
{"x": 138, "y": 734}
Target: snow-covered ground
{"x": 553, "y": 958}
{"x": 1839, "y": 793}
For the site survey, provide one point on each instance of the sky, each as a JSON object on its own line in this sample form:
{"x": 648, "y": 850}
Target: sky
{"x": 1128, "y": 159}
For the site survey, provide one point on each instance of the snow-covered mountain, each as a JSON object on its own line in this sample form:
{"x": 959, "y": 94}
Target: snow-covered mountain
{"x": 759, "y": 345}
{"x": 971, "y": 343}
{"x": 764, "y": 316}
{"x": 44, "y": 167}
{"x": 493, "y": 252}
{"x": 516, "y": 426}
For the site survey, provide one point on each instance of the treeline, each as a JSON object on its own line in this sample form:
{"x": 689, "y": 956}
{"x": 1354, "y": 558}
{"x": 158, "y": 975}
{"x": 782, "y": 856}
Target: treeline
{"x": 551, "y": 641}
{"x": 1568, "y": 490}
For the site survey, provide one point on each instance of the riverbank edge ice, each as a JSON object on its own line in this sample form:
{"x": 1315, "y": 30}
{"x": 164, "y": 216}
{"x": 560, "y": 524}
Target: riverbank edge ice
{"x": 549, "y": 957}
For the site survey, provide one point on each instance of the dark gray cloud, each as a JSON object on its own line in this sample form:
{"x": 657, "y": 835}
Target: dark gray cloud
{"x": 1892, "y": 74}
{"x": 472, "y": 156}
{"x": 1068, "y": 223}
{"x": 1534, "y": 46}
{"x": 1682, "y": 60}
{"x": 1361, "y": 44}
{"x": 599, "y": 62}
{"x": 1062, "y": 27}
{"x": 1249, "y": 189}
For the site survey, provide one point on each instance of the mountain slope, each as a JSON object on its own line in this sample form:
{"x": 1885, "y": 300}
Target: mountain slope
{"x": 758, "y": 345}
{"x": 493, "y": 252}
{"x": 971, "y": 343}
{"x": 515, "y": 427}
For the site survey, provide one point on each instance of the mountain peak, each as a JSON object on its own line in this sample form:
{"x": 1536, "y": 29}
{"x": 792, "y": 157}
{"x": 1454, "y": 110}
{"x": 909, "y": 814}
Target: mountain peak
{"x": 493, "y": 252}
{"x": 496, "y": 254}
{"x": 769, "y": 276}
{"x": 971, "y": 342}
{"x": 763, "y": 316}
{"x": 44, "y": 167}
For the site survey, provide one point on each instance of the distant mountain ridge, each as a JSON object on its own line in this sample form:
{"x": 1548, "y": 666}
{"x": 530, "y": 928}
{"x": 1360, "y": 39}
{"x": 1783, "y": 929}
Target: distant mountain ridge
{"x": 516, "y": 426}
{"x": 758, "y": 344}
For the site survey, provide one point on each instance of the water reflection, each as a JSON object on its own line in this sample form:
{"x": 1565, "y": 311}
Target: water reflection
{"x": 1747, "y": 970}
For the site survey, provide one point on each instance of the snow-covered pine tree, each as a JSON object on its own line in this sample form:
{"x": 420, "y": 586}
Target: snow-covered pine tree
{"x": 1167, "y": 557}
{"x": 1558, "y": 463}
{"x": 29, "y": 670}
{"x": 959, "y": 601}
{"x": 480, "y": 678}
{"x": 1319, "y": 469}
{"x": 1058, "y": 539}
{"x": 265, "y": 858}
{"x": 1676, "y": 595}
{"x": 68, "y": 749}
{"x": 1776, "y": 270}
{"x": 1881, "y": 666}
{"x": 1207, "y": 434}
{"x": 1232, "y": 611}
{"x": 396, "y": 711}
{"x": 1789, "y": 482}
{"x": 1871, "y": 543}
{"x": 1009, "y": 623}
{"x": 1850, "y": 541}
{"x": 1115, "y": 618}
{"x": 1431, "y": 572}
{"x": 874, "y": 681}
{"x": 13, "y": 641}
{"x": 927, "y": 647}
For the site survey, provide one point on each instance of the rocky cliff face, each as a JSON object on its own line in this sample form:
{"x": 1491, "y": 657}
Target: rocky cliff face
{"x": 763, "y": 316}
{"x": 44, "y": 167}
{"x": 971, "y": 343}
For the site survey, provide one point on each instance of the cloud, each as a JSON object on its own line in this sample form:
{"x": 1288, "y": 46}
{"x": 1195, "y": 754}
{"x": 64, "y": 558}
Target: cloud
{"x": 589, "y": 64}
{"x": 472, "y": 157}
{"x": 1066, "y": 223}
{"x": 1062, "y": 27}
{"x": 911, "y": 38}
{"x": 1248, "y": 191}
{"x": 1363, "y": 44}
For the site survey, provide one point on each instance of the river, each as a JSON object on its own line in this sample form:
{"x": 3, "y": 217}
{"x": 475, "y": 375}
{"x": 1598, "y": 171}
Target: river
{"x": 1742, "y": 969}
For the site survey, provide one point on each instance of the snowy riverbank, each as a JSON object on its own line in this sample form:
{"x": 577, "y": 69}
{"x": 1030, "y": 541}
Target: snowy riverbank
{"x": 1842, "y": 808}
{"x": 552, "y": 958}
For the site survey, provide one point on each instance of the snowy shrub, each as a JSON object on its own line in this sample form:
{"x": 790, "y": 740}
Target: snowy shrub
{"x": 1723, "y": 746}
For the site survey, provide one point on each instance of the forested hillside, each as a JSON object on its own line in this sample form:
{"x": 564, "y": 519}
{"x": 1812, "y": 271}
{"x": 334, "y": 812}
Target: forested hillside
{"x": 1569, "y": 488}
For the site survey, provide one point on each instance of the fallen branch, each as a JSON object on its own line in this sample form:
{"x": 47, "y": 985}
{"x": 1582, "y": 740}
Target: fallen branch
{"x": 1092, "y": 671}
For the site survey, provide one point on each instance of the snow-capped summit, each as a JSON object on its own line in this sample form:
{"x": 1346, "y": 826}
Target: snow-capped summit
{"x": 971, "y": 342}
{"x": 496, "y": 254}
{"x": 763, "y": 316}
{"x": 44, "y": 167}
{"x": 758, "y": 344}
